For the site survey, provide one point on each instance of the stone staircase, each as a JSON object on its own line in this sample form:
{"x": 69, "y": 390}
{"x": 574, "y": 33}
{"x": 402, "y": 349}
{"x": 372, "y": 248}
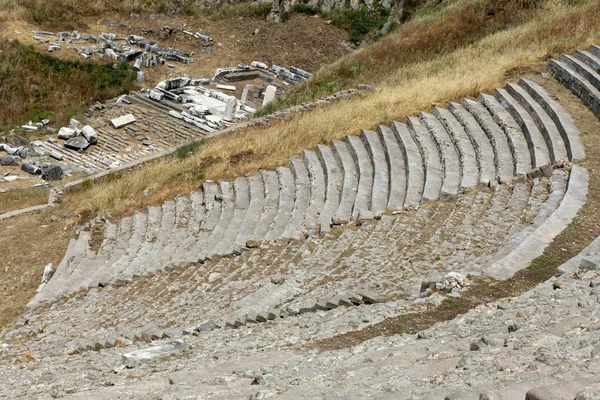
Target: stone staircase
{"x": 580, "y": 73}
{"x": 154, "y": 131}
{"x": 398, "y": 167}
{"x": 542, "y": 343}
{"x": 385, "y": 259}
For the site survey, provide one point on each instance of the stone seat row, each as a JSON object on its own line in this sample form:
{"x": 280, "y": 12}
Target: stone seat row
{"x": 517, "y": 131}
{"x": 580, "y": 73}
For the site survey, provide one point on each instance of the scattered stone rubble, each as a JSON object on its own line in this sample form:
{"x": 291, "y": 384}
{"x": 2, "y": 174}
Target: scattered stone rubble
{"x": 26, "y": 154}
{"x": 133, "y": 48}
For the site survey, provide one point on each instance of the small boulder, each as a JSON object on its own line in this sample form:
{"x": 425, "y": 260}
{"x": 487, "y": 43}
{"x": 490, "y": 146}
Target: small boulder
{"x": 77, "y": 143}
{"x": 10, "y": 160}
{"x": 52, "y": 172}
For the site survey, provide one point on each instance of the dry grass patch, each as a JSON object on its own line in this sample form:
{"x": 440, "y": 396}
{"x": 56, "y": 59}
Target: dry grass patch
{"x": 408, "y": 89}
{"x": 27, "y": 244}
{"x": 23, "y": 198}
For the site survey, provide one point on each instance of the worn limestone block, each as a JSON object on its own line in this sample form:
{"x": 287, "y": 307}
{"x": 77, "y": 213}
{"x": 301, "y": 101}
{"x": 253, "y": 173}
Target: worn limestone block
{"x": 122, "y": 121}
{"x": 89, "y": 134}
{"x": 66, "y": 133}
{"x": 138, "y": 357}
{"x": 370, "y": 298}
{"x": 589, "y": 264}
{"x": 270, "y": 94}
{"x": 561, "y": 390}
{"x": 56, "y": 155}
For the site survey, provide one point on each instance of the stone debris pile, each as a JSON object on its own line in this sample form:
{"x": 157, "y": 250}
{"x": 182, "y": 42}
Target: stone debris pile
{"x": 18, "y": 149}
{"x": 202, "y": 107}
{"x": 77, "y": 137}
{"x": 212, "y": 109}
{"x": 133, "y": 48}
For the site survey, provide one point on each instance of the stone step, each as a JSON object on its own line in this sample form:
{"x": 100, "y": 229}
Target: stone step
{"x": 449, "y": 156}
{"x": 533, "y": 247}
{"x": 97, "y": 262}
{"x": 381, "y": 175}
{"x": 252, "y": 217}
{"x": 414, "y": 164}
{"x": 558, "y": 185}
{"x": 588, "y": 58}
{"x": 505, "y": 163}
{"x": 295, "y": 228}
{"x": 581, "y": 87}
{"x": 285, "y": 206}
{"x": 333, "y": 186}
{"x": 197, "y": 214}
{"x": 349, "y": 174}
{"x": 595, "y": 50}
{"x": 270, "y": 207}
{"x": 465, "y": 146}
{"x": 226, "y": 200}
{"x": 122, "y": 239}
{"x": 590, "y": 74}
{"x": 241, "y": 193}
{"x": 159, "y": 254}
{"x": 135, "y": 242}
{"x": 72, "y": 272}
{"x": 397, "y": 168}
{"x": 563, "y": 121}
{"x": 211, "y": 216}
{"x": 317, "y": 191}
{"x": 524, "y": 139}
{"x": 359, "y": 153}
{"x": 180, "y": 232}
{"x": 154, "y": 223}
{"x": 432, "y": 160}
{"x": 553, "y": 139}
{"x": 485, "y": 156}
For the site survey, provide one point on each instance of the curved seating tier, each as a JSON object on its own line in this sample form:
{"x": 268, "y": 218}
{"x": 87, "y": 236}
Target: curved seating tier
{"x": 517, "y": 131}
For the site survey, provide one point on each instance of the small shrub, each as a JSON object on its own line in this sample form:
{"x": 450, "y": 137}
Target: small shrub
{"x": 285, "y": 16}
{"x": 86, "y": 184}
{"x": 305, "y": 9}
{"x": 187, "y": 150}
{"x": 358, "y": 23}
{"x": 262, "y": 10}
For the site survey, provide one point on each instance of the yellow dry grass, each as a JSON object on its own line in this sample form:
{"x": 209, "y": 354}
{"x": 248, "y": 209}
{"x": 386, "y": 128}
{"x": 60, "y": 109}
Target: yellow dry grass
{"x": 23, "y": 198}
{"x": 557, "y": 26}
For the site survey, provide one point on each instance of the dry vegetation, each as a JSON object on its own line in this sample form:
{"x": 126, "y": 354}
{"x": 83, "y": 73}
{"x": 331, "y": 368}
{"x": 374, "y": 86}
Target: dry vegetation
{"x": 410, "y": 82}
{"x": 23, "y": 198}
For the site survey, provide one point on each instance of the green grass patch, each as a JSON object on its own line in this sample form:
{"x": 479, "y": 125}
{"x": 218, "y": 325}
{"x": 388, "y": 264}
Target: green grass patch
{"x": 187, "y": 150}
{"x": 539, "y": 264}
{"x": 56, "y": 89}
{"x": 358, "y": 23}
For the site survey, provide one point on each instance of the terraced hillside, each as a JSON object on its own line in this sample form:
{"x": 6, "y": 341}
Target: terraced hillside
{"x": 240, "y": 285}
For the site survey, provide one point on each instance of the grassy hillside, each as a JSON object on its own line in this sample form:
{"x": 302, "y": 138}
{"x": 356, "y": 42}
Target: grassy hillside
{"x": 35, "y": 85}
{"x": 467, "y": 47}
